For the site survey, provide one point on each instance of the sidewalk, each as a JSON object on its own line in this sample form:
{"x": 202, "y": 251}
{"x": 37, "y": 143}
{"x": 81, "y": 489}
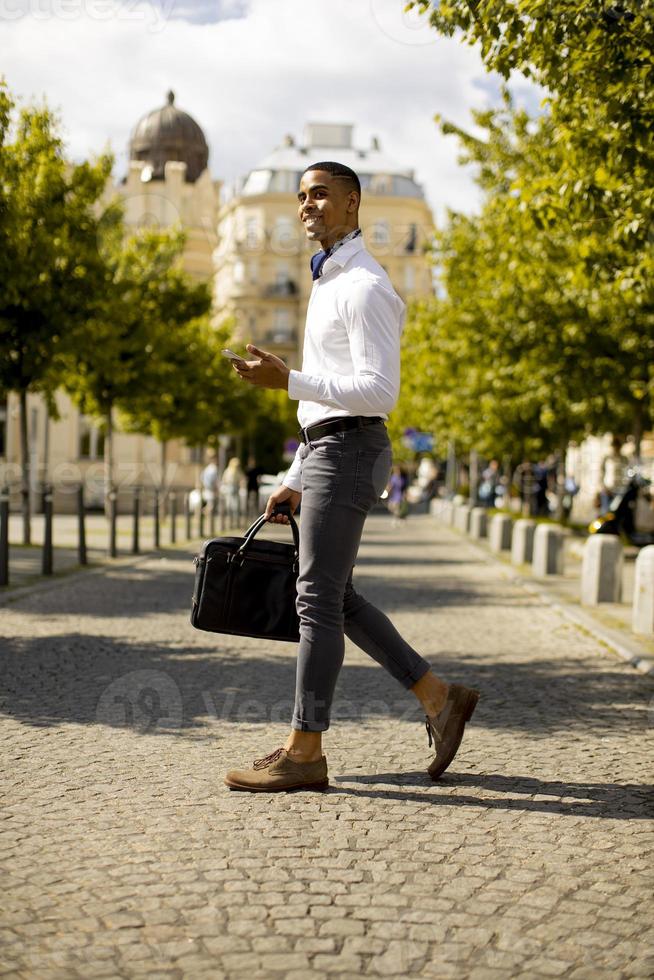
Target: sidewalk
{"x": 124, "y": 855}
{"x": 25, "y": 560}
{"x": 610, "y": 622}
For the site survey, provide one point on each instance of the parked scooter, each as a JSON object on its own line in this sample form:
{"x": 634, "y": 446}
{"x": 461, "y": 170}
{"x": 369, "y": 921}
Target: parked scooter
{"x": 620, "y": 518}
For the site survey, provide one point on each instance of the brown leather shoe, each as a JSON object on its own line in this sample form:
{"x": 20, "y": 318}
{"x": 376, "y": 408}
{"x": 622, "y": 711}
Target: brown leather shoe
{"x": 446, "y": 728}
{"x": 277, "y": 772}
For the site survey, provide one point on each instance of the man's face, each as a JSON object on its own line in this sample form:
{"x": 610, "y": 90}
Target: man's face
{"x": 327, "y": 207}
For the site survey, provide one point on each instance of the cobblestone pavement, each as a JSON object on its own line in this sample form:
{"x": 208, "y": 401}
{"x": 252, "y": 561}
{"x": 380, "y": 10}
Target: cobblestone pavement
{"x": 124, "y": 855}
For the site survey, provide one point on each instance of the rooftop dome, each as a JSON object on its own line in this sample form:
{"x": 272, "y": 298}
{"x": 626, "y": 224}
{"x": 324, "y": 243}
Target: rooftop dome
{"x": 378, "y": 173}
{"x": 169, "y": 134}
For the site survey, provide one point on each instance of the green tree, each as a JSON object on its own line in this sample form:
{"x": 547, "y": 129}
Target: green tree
{"x": 522, "y": 353}
{"x": 147, "y": 302}
{"x": 595, "y": 61}
{"x": 188, "y": 390}
{"x": 51, "y": 270}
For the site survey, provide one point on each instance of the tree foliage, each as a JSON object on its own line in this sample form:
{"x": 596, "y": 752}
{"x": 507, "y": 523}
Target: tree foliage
{"x": 50, "y": 269}
{"x": 545, "y": 326}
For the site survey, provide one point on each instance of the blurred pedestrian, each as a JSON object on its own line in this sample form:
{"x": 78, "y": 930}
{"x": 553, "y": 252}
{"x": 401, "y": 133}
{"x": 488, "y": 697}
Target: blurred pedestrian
{"x": 209, "y": 480}
{"x": 252, "y": 474}
{"x": 612, "y": 474}
{"x": 397, "y": 502}
{"x": 489, "y": 480}
{"x": 230, "y": 488}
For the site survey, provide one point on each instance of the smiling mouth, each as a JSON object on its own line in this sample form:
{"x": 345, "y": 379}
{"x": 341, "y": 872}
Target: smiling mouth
{"x": 312, "y": 221}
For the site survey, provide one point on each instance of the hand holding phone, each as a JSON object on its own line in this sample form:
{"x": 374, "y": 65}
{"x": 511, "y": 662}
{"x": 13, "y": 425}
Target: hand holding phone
{"x": 226, "y": 352}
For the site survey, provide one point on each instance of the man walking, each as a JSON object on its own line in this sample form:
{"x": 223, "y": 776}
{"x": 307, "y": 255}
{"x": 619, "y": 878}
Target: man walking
{"x": 348, "y": 384}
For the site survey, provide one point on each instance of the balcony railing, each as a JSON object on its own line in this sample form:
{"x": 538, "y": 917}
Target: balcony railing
{"x": 281, "y": 338}
{"x": 283, "y": 288}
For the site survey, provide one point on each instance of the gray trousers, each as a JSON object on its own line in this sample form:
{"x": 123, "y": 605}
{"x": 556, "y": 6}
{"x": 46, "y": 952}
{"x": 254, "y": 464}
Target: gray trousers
{"x": 343, "y": 475}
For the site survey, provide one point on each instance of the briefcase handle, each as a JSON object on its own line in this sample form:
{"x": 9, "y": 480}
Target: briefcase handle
{"x": 254, "y": 529}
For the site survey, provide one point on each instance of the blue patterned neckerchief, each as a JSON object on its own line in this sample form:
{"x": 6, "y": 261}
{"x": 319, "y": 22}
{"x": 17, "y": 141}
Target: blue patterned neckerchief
{"x": 319, "y": 259}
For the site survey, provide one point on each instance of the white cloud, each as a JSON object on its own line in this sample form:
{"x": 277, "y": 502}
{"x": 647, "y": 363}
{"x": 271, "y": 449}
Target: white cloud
{"x": 250, "y": 79}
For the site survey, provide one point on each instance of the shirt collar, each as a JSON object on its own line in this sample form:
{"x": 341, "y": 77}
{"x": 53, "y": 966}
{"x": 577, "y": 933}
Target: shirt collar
{"x": 341, "y": 251}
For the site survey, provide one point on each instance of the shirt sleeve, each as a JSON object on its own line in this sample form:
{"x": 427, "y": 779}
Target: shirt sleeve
{"x": 373, "y": 317}
{"x": 293, "y": 479}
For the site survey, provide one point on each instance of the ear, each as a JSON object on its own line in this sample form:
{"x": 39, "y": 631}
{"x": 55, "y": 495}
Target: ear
{"x": 353, "y": 202}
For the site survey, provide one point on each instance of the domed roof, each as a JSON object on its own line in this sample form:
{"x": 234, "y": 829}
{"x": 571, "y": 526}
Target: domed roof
{"x": 169, "y": 134}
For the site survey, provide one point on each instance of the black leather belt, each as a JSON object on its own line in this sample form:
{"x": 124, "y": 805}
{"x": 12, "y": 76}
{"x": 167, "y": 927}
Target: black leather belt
{"x": 336, "y": 425}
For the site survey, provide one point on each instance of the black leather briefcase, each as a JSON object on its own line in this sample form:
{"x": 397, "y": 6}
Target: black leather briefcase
{"x": 247, "y": 586}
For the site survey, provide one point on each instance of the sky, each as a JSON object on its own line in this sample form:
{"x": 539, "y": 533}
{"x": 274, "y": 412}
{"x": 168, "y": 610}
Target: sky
{"x": 251, "y": 71}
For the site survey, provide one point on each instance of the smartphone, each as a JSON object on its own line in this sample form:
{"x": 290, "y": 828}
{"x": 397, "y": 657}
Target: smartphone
{"x": 231, "y": 355}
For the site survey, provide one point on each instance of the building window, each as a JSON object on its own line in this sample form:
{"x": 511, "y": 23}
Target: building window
{"x": 381, "y": 234}
{"x": 196, "y": 454}
{"x": 91, "y": 440}
{"x": 239, "y": 272}
{"x": 252, "y": 233}
{"x": 254, "y": 272}
{"x": 284, "y": 238}
{"x": 281, "y": 320}
{"x": 281, "y": 274}
{"x": 381, "y": 184}
{"x": 409, "y": 278}
{"x": 3, "y": 426}
{"x": 252, "y": 324}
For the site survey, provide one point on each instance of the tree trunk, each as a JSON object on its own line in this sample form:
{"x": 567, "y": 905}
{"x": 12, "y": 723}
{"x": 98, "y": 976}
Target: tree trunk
{"x": 474, "y": 477}
{"x": 162, "y": 482}
{"x": 639, "y": 426}
{"x": 560, "y": 483}
{"x": 108, "y": 459}
{"x": 163, "y": 504}
{"x": 25, "y": 469}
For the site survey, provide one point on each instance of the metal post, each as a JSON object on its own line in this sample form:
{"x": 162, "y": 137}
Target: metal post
{"x": 113, "y": 514}
{"x": 155, "y": 514}
{"x": 136, "y": 516}
{"x": 201, "y": 516}
{"x": 221, "y": 512}
{"x": 81, "y": 528}
{"x": 187, "y": 515}
{"x": 212, "y": 519}
{"x": 173, "y": 517}
{"x": 4, "y": 536}
{"x": 46, "y": 555}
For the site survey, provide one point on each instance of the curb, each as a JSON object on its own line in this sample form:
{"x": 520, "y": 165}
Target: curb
{"x": 626, "y": 648}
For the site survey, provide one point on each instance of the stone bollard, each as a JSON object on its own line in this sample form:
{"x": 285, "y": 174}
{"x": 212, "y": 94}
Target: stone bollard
{"x": 643, "y": 612}
{"x": 501, "y": 529}
{"x": 522, "y": 546}
{"x": 435, "y": 506}
{"x": 601, "y": 570}
{"x": 478, "y": 523}
{"x": 447, "y": 513}
{"x": 548, "y": 550}
{"x": 462, "y": 517}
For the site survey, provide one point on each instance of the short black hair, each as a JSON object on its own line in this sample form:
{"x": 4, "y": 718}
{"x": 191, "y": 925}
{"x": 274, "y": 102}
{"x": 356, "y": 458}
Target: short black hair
{"x": 337, "y": 170}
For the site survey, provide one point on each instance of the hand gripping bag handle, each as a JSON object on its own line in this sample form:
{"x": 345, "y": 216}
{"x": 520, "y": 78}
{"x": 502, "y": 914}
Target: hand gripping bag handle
{"x": 254, "y": 529}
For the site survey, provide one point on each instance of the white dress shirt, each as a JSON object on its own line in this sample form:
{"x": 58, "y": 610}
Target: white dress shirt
{"x": 351, "y": 358}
